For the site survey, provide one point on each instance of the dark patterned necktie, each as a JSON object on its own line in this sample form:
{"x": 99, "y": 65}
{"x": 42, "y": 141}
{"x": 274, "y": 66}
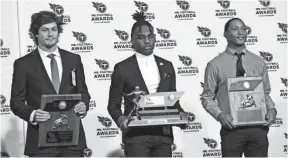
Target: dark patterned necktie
{"x": 239, "y": 68}
{"x": 54, "y": 72}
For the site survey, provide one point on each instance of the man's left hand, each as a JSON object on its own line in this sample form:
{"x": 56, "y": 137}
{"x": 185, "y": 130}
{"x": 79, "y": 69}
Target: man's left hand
{"x": 270, "y": 117}
{"x": 81, "y": 109}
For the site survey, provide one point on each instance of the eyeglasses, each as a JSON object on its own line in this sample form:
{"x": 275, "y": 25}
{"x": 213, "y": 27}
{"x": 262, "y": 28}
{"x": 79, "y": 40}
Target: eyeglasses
{"x": 143, "y": 37}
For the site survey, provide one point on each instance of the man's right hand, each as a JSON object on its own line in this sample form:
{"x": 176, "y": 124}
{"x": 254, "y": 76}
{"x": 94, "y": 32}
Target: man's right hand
{"x": 124, "y": 124}
{"x": 226, "y": 120}
{"x": 41, "y": 116}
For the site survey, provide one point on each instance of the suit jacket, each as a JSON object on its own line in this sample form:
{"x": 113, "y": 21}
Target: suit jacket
{"x": 125, "y": 77}
{"x": 30, "y": 81}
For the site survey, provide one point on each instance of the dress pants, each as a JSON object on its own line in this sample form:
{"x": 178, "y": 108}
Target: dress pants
{"x": 61, "y": 152}
{"x": 252, "y": 141}
{"x": 154, "y": 147}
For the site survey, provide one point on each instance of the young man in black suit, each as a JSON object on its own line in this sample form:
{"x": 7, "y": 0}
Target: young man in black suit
{"x": 47, "y": 70}
{"x": 152, "y": 74}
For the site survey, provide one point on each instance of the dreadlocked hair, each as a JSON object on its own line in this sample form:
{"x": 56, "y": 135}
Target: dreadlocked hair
{"x": 140, "y": 21}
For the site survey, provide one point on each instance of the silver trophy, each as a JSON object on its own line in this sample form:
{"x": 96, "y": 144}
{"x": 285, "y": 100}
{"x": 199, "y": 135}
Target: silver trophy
{"x": 154, "y": 109}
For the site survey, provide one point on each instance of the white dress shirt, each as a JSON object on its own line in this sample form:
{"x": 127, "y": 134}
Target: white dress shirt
{"x": 46, "y": 61}
{"x": 149, "y": 70}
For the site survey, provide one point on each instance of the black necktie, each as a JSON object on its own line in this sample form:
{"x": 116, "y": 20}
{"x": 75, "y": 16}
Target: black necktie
{"x": 239, "y": 68}
{"x": 54, "y": 72}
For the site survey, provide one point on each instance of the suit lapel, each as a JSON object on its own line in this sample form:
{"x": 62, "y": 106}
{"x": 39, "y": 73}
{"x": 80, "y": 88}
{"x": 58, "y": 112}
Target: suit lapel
{"x": 65, "y": 72}
{"x": 161, "y": 71}
{"x": 40, "y": 68}
{"x": 138, "y": 75}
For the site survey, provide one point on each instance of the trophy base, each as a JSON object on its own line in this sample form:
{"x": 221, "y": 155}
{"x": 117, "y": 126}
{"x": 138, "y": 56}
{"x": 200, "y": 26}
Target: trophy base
{"x": 157, "y": 122}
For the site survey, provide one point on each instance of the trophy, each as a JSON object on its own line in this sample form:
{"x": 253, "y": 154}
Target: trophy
{"x": 247, "y": 100}
{"x": 155, "y": 109}
{"x": 62, "y": 129}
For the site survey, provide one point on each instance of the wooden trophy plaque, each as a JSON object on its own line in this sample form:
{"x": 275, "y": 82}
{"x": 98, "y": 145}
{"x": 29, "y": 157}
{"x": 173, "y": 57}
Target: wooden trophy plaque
{"x": 247, "y": 100}
{"x": 62, "y": 129}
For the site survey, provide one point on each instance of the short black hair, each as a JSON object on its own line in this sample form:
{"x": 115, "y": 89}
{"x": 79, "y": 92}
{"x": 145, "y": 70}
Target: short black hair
{"x": 140, "y": 21}
{"x": 228, "y": 23}
{"x": 44, "y": 17}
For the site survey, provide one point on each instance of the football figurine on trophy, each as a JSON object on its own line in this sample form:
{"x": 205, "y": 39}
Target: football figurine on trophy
{"x": 137, "y": 93}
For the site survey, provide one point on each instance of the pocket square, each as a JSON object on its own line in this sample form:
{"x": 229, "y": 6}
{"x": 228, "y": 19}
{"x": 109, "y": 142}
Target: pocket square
{"x": 167, "y": 75}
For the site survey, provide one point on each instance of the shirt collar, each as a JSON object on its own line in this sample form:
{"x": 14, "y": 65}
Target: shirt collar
{"x": 232, "y": 51}
{"x": 142, "y": 57}
{"x": 44, "y": 53}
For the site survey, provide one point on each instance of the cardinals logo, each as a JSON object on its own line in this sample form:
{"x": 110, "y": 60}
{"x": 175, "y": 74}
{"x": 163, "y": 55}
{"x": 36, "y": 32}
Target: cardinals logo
{"x": 104, "y": 65}
{"x": 265, "y": 3}
{"x": 285, "y": 135}
{"x": 184, "y": 5}
{"x": 266, "y": 56}
{"x": 3, "y": 99}
{"x": 211, "y": 143}
{"x": 283, "y": 27}
{"x": 284, "y": 81}
{"x": 141, "y": 6}
{"x": 187, "y": 61}
{"x": 122, "y": 35}
{"x": 100, "y": 7}
{"x": 163, "y": 33}
{"x": 81, "y": 37}
{"x": 204, "y": 31}
{"x": 202, "y": 84}
{"x": 58, "y": 9}
{"x": 105, "y": 121}
{"x": 224, "y": 3}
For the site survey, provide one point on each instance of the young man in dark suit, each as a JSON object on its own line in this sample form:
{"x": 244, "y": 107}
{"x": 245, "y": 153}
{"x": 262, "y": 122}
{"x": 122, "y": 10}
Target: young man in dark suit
{"x": 149, "y": 73}
{"x": 47, "y": 70}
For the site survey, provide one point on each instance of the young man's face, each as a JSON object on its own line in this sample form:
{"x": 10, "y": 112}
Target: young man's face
{"x": 236, "y": 34}
{"x": 143, "y": 40}
{"x": 48, "y": 35}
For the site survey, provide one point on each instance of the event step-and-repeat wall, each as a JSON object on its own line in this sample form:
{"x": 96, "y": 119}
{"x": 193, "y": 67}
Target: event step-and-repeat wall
{"x": 189, "y": 33}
